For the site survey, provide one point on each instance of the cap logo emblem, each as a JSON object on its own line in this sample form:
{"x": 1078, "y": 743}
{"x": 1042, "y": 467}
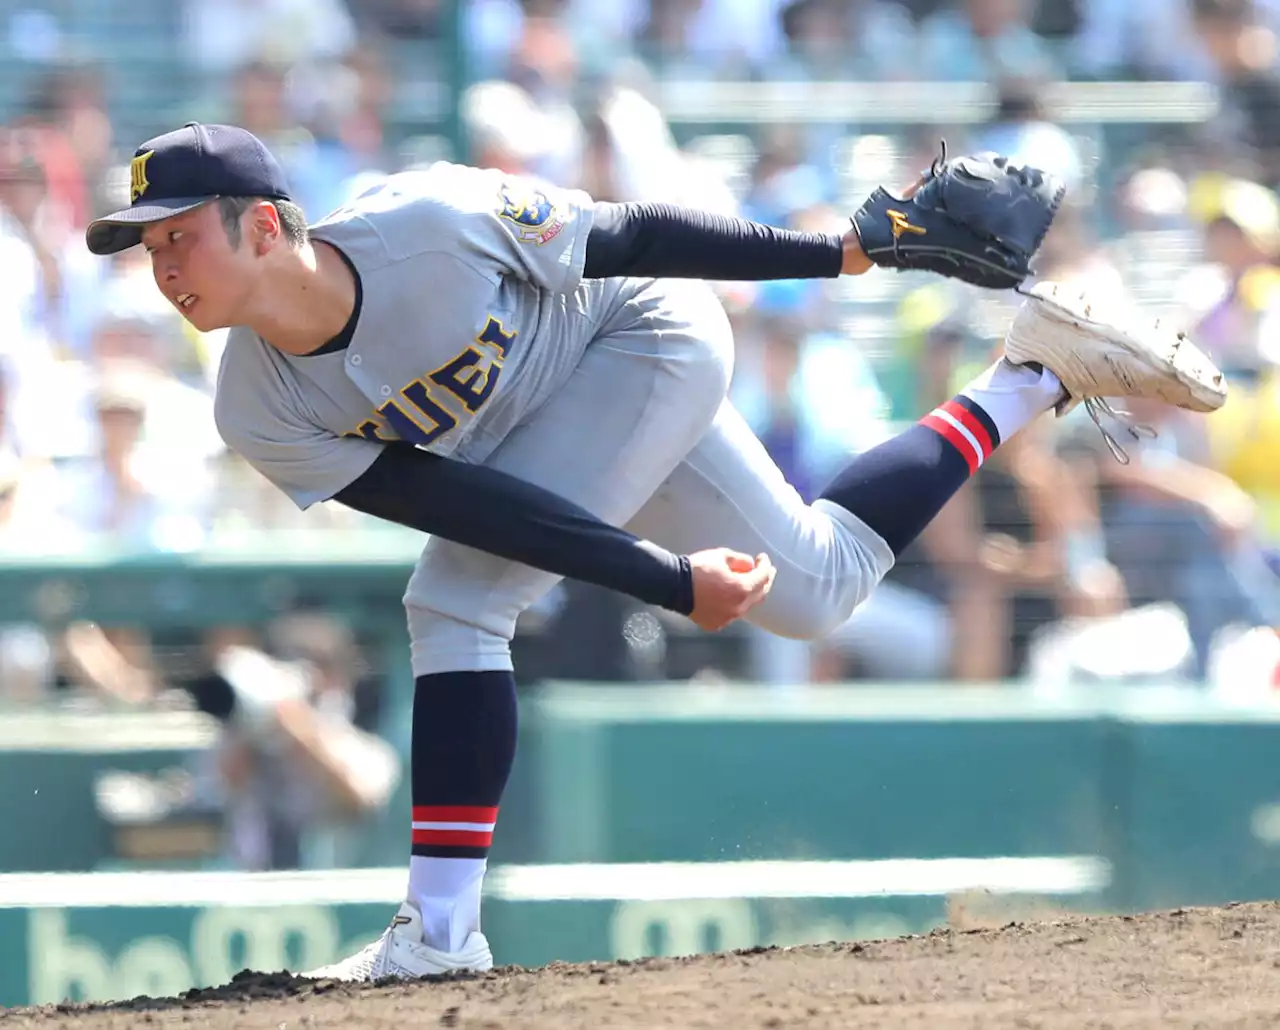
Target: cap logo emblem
{"x": 138, "y": 183}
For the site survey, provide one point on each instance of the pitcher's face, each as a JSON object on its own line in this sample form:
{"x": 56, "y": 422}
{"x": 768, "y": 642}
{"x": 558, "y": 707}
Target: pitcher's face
{"x": 198, "y": 266}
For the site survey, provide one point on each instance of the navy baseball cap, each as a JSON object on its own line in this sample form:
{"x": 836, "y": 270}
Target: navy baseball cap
{"x": 182, "y": 169}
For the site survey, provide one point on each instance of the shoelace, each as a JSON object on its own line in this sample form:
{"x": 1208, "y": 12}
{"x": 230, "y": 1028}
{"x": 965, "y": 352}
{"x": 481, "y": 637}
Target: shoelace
{"x": 935, "y": 168}
{"x": 1094, "y": 405}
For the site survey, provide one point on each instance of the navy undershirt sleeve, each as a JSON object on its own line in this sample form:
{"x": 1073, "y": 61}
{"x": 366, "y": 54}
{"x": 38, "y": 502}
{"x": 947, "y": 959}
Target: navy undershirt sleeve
{"x": 502, "y": 515}
{"x": 665, "y": 241}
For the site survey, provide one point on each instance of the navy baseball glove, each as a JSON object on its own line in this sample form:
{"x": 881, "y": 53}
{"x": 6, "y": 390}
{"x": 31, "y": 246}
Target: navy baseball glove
{"x": 977, "y": 218}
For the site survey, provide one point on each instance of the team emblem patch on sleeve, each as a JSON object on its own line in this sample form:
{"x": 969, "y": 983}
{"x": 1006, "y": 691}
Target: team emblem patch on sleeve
{"x": 535, "y": 217}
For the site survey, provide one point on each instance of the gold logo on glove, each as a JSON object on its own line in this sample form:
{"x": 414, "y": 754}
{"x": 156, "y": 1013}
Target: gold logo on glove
{"x": 900, "y": 224}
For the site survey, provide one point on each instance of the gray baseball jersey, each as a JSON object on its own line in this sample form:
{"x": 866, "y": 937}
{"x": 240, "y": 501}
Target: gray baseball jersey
{"x": 474, "y": 310}
{"x": 478, "y": 337}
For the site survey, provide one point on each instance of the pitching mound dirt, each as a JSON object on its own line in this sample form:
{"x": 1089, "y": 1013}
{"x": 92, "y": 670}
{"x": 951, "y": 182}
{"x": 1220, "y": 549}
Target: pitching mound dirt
{"x": 1188, "y": 968}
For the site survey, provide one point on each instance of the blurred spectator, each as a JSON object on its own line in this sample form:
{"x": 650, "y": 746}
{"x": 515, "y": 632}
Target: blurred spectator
{"x": 1058, "y": 20}
{"x": 490, "y": 28}
{"x": 29, "y": 293}
{"x": 1179, "y": 530}
{"x": 816, "y": 38}
{"x": 1245, "y": 444}
{"x": 150, "y": 334}
{"x": 813, "y": 400}
{"x": 299, "y": 772}
{"x": 1150, "y": 198}
{"x": 178, "y": 429}
{"x": 128, "y": 494}
{"x": 67, "y": 130}
{"x": 317, "y": 163}
{"x": 133, "y": 328}
{"x": 24, "y": 486}
{"x": 734, "y": 37}
{"x": 632, "y": 155}
{"x": 544, "y": 62}
{"x": 782, "y": 181}
{"x": 29, "y": 232}
{"x": 1018, "y": 547}
{"x": 810, "y": 397}
{"x": 259, "y": 100}
{"x": 897, "y": 635}
{"x": 843, "y": 39}
{"x": 1242, "y": 50}
{"x": 1022, "y": 130}
{"x": 115, "y": 665}
{"x": 341, "y": 90}
{"x": 401, "y": 19}
{"x": 334, "y": 116}
{"x": 505, "y": 129}
{"x": 664, "y": 36}
{"x": 1071, "y": 253}
{"x": 1226, "y": 298}
{"x": 1143, "y": 39}
{"x": 51, "y": 181}
{"x": 222, "y": 35}
{"x": 599, "y": 174}
{"x": 300, "y": 767}
{"x": 357, "y": 112}
{"x": 984, "y": 40}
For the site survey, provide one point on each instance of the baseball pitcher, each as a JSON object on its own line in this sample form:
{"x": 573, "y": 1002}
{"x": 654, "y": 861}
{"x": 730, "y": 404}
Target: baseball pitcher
{"x": 538, "y": 381}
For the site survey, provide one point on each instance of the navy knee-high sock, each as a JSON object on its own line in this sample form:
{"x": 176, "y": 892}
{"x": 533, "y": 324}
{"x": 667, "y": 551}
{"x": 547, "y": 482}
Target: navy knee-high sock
{"x": 898, "y": 487}
{"x": 464, "y": 743}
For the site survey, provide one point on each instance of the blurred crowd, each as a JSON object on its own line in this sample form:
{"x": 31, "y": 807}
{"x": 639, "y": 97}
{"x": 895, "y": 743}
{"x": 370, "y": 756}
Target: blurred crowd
{"x": 1059, "y": 561}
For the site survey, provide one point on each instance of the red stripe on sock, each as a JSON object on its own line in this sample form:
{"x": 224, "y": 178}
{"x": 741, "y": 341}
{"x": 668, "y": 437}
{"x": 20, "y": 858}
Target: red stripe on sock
{"x": 461, "y": 838}
{"x": 454, "y": 814}
{"x": 966, "y": 418}
{"x": 954, "y": 437}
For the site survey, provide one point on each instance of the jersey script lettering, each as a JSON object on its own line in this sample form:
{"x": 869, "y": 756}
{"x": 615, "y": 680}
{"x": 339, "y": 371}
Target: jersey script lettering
{"x": 427, "y": 408}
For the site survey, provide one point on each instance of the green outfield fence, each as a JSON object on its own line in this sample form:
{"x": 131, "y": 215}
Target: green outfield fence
{"x": 669, "y": 820}
{"x": 119, "y": 935}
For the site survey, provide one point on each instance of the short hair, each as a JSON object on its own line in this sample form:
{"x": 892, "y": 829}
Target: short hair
{"x": 292, "y": 220}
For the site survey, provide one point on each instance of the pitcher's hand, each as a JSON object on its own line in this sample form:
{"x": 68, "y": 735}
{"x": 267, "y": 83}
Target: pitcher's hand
{"x": 726, "y": 585}
{"x": 855, "y": 260}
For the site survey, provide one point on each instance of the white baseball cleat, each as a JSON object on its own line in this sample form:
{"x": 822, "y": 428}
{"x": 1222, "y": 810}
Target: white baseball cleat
{"x": 400, "y": 953}
{"x": 1100, "y": 350}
